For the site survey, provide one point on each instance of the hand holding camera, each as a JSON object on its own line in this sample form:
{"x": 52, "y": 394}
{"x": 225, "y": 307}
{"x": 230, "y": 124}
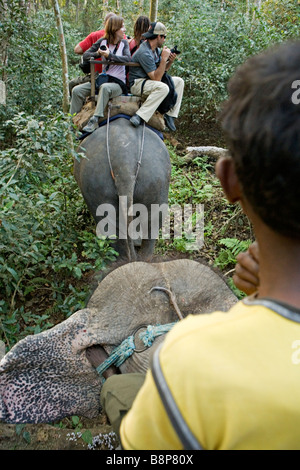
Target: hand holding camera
{"x": 103, "y": 51}
{"x": 174, "y": 50}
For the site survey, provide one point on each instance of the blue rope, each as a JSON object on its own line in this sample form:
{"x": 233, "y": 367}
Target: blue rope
{"x": 127, "y": 347}
{"x": 152, "y": 332}
{"x": 118, "y": 355}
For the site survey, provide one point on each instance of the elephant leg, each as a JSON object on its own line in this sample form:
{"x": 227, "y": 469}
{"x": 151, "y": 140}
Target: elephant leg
{"x": 153, "y": 225}
{"x": 147, "y": 248}
{"x": 122, "y": 248}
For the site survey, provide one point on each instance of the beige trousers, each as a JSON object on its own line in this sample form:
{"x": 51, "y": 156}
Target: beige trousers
{"x": 155, "y": 92}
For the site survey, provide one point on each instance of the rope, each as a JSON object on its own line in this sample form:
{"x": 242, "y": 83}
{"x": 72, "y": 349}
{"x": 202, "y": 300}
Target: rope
{"x": 141, "y": 153}
{"x": 107, "y": 141}
{"x": 119, "y": 355}
{"x": 127, "y": 347}
{"x": 153, "y": 332}
{"x": 172, "y": 299}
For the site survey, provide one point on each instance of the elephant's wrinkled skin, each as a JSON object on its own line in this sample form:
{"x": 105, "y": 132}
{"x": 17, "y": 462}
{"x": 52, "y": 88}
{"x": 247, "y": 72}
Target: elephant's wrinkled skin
{"x": 126, "y": 147}
{"x": 47, "y": 377}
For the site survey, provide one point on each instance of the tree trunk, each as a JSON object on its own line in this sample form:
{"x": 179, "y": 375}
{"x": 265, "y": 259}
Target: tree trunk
{"x": 213, "y": 152}
{"x": 3, "y": 53}
{"x": 105, "y": 8}
{"x": 63, "y": 53}
{"x": 119, "y": 7}
{"x": 153, "y": 10}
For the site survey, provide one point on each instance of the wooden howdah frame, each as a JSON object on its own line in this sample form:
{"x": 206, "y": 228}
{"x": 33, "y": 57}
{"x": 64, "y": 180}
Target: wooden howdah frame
{"x": 92, "y": 67}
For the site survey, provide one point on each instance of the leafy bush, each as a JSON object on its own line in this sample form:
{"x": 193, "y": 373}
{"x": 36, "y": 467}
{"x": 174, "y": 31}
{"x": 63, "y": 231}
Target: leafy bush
{"x": 47, "y": 239}
{"x": 214, "y": 41}
{"x": 227, "y": 256}
{"x": 33, "y": 64}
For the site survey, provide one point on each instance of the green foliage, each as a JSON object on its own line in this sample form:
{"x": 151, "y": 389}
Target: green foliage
{"x": 214, "y": 41}
{"x": 227, "y": 259}
{"x": 32, "y": 66}
{"x": 33, "y": 60}
{"x": 227, "y": 256}
{"x": 197, "y": 184}
{"x": 282, "y": 14}
{"x": 25, "y": 434}
{"x": 47, "y": 239}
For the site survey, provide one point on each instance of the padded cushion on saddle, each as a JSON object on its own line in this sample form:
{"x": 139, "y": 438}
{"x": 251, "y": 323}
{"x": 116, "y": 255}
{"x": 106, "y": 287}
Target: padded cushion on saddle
{"x": 118, "y": 116}
{"x": 124, "y": 104}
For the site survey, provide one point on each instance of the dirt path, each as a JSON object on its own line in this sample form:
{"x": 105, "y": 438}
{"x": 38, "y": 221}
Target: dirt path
{"x": 95, "y": 436}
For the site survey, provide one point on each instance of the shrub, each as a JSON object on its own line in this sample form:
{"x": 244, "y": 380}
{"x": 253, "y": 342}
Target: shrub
{"x": 47, "y": 238}
{"x": 214, "y": 41}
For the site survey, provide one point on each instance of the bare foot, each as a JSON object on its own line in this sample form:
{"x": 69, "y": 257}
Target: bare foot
{"x": 96, "y": 356}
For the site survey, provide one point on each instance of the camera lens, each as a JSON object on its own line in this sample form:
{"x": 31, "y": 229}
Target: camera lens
{"x": 103, "y": 48}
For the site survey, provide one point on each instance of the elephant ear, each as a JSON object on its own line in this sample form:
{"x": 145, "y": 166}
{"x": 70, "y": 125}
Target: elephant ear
{"x": 46, "y": 377}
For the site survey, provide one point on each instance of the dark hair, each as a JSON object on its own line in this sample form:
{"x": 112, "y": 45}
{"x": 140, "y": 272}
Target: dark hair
{"x": 141, "y": 26}
{"x": 113, "y": 24}
{"x": 262, "y": 125}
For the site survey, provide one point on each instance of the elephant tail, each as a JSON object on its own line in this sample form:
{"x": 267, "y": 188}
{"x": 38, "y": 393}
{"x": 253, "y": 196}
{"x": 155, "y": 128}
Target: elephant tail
{"x": 125, "y": 219}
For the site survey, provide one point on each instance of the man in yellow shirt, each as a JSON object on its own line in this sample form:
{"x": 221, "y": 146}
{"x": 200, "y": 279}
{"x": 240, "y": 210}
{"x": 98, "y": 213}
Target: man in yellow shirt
{"x": 231, "y": 380}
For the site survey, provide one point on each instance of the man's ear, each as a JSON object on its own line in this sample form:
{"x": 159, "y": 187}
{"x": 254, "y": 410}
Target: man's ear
{"x": 225, "y": 171}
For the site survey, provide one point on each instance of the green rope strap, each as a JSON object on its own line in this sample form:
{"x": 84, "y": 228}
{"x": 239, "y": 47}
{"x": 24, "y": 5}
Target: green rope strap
{"x": 127, "y": 347}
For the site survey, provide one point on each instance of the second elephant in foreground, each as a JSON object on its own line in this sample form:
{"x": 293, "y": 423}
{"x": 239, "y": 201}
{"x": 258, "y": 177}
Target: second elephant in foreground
{"x": 46, "y": 377}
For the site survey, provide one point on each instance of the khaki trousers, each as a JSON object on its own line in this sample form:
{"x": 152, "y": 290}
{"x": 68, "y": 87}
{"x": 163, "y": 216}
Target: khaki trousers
{"x": 107, "y": 91}
{"x": 117, "y": 395}
{"x": 155, "y": 92}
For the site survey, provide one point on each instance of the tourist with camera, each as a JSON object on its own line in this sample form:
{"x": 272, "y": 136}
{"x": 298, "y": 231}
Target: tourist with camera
{"x": 112, "y": 81}
{"x": 150, "y": 80}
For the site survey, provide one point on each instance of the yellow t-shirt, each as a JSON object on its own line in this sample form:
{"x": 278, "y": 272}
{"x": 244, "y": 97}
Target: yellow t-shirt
{"x": 235, "y": 377}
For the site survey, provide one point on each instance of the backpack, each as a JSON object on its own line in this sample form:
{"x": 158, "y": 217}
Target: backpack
{"x": 171, "y": 98}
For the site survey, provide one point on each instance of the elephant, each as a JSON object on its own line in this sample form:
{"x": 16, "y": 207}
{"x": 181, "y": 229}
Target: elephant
{"x": 124, "y": 168}
{"x": 47, "y": 376}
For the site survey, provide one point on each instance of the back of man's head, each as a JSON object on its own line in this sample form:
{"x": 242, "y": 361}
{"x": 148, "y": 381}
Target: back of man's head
{"x": 261, "y": 120}
{"x": 107, "y": 16}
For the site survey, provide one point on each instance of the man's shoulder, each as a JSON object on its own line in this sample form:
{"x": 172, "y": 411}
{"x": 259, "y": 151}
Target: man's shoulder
{"x": 98, "y": 34}
{"x": 206, "y": 324}
{"x": 143, "y": 49}
{"x": 91, "y": 39}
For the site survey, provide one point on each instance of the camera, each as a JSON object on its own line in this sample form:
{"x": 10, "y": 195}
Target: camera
{"x": 103, "y": 48}
{"x": 174, "y": 50}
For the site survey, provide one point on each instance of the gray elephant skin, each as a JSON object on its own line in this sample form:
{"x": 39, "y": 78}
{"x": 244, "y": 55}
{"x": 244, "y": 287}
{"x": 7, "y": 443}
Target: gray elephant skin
{"x": 134, "y": 164}
{"x": 47, "y": 377}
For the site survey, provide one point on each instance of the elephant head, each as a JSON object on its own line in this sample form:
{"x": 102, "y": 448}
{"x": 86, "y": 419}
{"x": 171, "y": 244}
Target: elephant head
{"x": 47, "y": 376}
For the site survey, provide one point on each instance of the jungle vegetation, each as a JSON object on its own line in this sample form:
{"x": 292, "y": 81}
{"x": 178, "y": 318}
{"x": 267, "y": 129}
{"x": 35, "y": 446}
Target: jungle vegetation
{"x": 48, "y": 249}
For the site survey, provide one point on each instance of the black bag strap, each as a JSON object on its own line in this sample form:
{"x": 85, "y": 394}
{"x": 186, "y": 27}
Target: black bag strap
{"x": 184, "y": 433}
{"x": 114, "y": 52}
